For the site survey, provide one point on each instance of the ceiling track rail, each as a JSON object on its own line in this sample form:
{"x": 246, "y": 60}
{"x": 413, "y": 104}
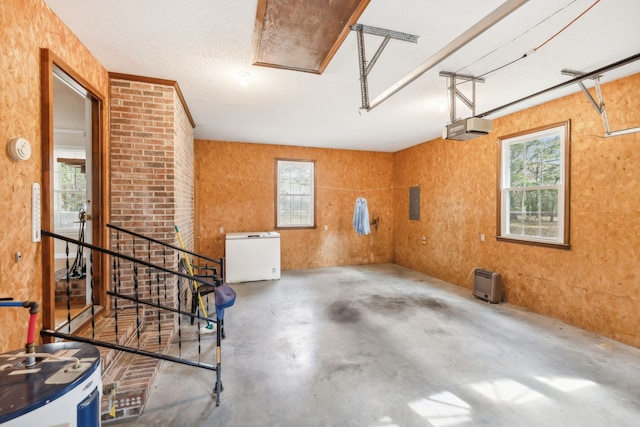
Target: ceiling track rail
{"x": 599, "y": 106}
{"x": 365, "y": 68}
{"x": 453, "y": 80}
{"x": 474, "y": 31}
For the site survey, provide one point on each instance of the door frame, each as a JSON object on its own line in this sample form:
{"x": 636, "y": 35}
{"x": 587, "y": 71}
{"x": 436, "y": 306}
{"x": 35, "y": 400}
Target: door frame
{"x": 99, "y": 188}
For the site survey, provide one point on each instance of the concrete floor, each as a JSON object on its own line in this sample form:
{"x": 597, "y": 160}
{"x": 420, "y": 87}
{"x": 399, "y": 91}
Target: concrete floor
{"x": 382, "y": 346}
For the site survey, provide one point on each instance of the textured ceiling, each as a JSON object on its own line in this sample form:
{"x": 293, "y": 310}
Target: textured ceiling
{"x": 205, "y": 44}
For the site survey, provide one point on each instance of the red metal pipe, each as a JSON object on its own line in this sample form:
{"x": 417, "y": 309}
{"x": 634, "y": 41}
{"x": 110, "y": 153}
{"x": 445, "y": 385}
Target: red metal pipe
{"x": 33, "y": 307}
{"x": 31, "y": 333}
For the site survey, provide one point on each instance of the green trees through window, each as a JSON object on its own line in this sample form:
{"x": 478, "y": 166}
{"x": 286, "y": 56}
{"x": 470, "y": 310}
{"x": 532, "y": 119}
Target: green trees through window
{"x": 70, "y": 192}
{"x": 533, "y": 186}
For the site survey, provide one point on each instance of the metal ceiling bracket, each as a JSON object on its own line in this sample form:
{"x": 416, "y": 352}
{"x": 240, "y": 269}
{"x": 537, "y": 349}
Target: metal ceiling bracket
{"x": 453, "y": 80}
{"x": 599, "y": 105}
{"x": 365, "y": 68}
{"x": 593, "y": 73}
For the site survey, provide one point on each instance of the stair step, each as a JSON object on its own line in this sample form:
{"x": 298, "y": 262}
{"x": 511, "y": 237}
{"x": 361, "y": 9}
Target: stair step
{"x": 105, "y": 331}
{"x": 133, "y": 375}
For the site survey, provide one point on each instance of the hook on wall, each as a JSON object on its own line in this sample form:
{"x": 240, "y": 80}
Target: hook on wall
{"x": 376, "y": 222}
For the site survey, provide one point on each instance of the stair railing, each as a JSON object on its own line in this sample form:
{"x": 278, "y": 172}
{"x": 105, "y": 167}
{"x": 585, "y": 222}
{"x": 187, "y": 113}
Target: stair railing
{"x": 126, "y": 270}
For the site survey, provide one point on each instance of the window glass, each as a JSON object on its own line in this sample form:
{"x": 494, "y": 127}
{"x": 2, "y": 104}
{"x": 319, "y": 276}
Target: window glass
{"x": 70, "y": 188}
{"x": 534, "y": 186}
{"x": 295, "y": 199}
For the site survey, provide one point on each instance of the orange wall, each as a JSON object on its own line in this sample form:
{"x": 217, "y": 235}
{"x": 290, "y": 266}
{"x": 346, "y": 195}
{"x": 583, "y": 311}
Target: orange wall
{"x": 235, "y": 191}
{"x": 596, "y": 284}
{"x": 26, "y": 26}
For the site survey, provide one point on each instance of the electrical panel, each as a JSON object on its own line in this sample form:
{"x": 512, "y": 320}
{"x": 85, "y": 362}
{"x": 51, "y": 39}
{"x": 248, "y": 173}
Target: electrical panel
{"x": 414, "y": 203}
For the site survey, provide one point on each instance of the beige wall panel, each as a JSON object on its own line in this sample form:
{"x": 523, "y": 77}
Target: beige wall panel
{"x": 26, "y": 26}
{"x": 595, "y": 285}
{"x": 236, "y": 189}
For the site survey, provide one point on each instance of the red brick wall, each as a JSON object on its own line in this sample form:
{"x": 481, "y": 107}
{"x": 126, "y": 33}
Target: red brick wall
{"x": 184, "y": 174}
{"x": 151, "y": 180}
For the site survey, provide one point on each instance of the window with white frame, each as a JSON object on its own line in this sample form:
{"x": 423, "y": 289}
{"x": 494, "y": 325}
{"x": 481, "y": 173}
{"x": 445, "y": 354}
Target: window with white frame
{"x": 70, "y": 187}
{"x": 295, "y": 193}
{"x": 533, "y": 204}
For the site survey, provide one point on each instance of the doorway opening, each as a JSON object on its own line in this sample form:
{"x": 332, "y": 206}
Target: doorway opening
{"x": 71, "y": 195}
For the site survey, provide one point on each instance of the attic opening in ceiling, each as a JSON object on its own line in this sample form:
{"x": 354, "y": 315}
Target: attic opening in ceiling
{"x": 302, "y": 35}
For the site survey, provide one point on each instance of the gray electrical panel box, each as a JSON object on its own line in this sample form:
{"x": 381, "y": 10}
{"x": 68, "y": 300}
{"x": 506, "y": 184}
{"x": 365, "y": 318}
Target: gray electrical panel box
{"x": 414, "y": 203}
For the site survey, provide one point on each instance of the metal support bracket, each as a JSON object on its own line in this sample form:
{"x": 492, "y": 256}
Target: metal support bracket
{"x": 453, "y": 80}
{"x": 598, "y": 105}
{"x": 365, "y": 68}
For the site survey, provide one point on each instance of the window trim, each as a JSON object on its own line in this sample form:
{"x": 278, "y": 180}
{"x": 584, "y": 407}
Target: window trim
{"x": 276, "y": 196}
{"x": 564, "y": 129}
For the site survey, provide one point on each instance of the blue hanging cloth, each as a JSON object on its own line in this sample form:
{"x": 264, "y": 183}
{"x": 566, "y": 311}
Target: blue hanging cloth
{"x": 361, "y": 217}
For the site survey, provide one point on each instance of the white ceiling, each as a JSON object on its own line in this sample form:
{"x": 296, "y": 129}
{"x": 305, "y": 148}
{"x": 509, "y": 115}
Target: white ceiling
{"x": 205, "y": 44}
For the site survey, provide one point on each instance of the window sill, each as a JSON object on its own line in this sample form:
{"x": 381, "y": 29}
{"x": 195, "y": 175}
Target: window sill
{"x": 534, "y": 243}
{"x": 298, "y": 227}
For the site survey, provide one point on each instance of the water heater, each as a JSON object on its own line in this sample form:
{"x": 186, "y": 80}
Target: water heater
{"x": 55, "y": 391}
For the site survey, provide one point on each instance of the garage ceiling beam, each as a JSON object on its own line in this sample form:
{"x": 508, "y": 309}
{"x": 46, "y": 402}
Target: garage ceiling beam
{"x": 481, "y": 26}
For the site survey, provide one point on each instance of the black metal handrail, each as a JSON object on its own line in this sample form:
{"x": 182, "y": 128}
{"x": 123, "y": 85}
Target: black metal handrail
{"x": 160, "y": 306}
{"x": 156, "y": 280}
{"x": 71, "y": 337}
{"x": 220, "y": 261}
{"x": 123, "y": 256}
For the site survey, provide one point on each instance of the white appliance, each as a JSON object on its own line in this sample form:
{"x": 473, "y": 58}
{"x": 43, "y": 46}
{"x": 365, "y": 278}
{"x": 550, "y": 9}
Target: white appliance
{"x": 252, "y": 256}
{"x": 52, "y": 393}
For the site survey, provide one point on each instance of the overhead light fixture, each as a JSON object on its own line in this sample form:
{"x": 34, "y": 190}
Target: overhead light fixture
{"x": 244, "y": 78}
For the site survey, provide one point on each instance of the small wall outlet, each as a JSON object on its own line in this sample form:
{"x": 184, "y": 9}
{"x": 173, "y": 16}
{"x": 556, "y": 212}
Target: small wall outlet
{"x": 482, "y": 237}
{"x": 221, "y": 230}
{"x": 325, "y": 228}
{"x": 423, "y": 240}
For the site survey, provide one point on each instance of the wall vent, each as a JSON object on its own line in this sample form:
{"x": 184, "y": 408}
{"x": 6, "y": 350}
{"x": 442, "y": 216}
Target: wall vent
{"x": 486, "y": 285}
